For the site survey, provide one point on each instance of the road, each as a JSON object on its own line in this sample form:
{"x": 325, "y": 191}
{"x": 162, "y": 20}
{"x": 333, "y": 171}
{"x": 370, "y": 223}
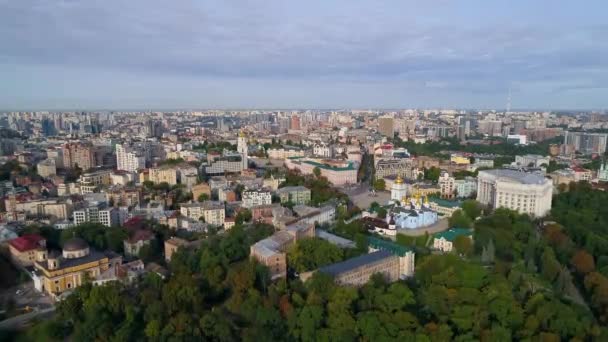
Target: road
{"x": 21, "y": 321}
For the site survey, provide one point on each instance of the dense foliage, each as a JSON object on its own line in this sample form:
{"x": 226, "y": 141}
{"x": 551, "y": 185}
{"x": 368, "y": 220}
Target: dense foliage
{"x": 512, "y": 287}
{"x": 321, "y": 190}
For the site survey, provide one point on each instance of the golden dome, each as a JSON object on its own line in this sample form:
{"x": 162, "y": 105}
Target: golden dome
{"x": 241, "y": 134}
{"x": 399, "y": 180}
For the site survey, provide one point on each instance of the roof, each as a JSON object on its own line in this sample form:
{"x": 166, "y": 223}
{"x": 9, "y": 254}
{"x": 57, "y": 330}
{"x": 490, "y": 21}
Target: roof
{"x": 518, "y": 176}
{"x": 288, "y": 189}
{"x": 67, "y": 263}
{"x": 445, "y": 203}
{"x": 388, "y": 246}
{"x": 356, "y": 262}
{"x": 350, "y": 166}
{"x": 452, "y": 233}
{"x": 26, "y": 242}
{"x": 75, "y": 244}
{"x": 141, "y": 235}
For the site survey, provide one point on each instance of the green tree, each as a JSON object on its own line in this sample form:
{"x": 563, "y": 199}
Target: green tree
{"x": 379, "y": 184}
{"x": 471, "y": 208}
{"x": 459, "y": 219}
{"x": 203, "y": 197}
{"x": 316, "y": 171}
{"x": 463, "y": 245}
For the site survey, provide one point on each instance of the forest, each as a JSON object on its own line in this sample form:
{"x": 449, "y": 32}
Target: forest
{"x": 524, "y": 279}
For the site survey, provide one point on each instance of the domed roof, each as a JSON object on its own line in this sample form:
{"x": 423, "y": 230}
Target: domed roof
{"x": 75, "y": 244}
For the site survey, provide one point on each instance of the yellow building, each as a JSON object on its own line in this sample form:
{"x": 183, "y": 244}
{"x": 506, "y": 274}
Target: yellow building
{"x": 459, "y": 159}
{"x": 162, "y": 174}
{"x": 57, "y": 273}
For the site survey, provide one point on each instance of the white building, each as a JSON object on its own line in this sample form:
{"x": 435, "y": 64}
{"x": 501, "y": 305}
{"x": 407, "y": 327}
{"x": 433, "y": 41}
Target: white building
{"x": 212, "y": 212}
{"x": 129, "y": 159}
{"x": 524, "y": 192}
{"x": 47, "y": 168}
{"x": 323, "y": 150}
{"x": 533, "y": 160}
{"x": 465, "y": 187}
{"x": 252, "y": 198}
{"x": 97, "y": 213}
{"x": 444, "y": 241}
{"x": 242, "y": 148}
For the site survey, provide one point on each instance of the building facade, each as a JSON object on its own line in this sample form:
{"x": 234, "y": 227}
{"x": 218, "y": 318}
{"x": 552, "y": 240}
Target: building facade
{"x": 527, "y": 193}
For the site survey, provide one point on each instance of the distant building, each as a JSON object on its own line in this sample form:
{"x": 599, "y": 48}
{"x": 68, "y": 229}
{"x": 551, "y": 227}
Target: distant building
{"x": 444, "y": 241}
{"x": 532, "y": 160}
{"x": 253, "y": 198}
{"x": 285, "y": 152}
{"x": 465, "y": 188}
{"x": 357, "y": 271}
{"x": 337, "y": 172}
{"x": 447, "y": 185}
{"x": 212, "y": 212}
{"x": 527, "y": 193}
{"x": 386, "y": 126}
{"x": 139, "y": 239}
{"x": 129, "y": 159}
{"x": 398, "y": 190}
{"x": 602, "y": 174}
{"x": 585, "y": 143}
{"x": 164, "y": 174}
{"x": 460, "y": 159}
{"x": 46, "y": 168}
{"x": 97, "y": 213}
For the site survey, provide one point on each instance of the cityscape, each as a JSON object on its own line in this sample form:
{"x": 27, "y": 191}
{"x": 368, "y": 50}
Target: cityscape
{"x": 321, "y": 178}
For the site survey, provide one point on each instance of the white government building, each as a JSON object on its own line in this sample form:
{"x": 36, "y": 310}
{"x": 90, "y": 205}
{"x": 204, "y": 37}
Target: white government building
{"x": 528, "y": 193}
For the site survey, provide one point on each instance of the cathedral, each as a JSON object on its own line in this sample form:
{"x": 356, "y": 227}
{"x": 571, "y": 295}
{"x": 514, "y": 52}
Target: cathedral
{"x": 412, "y": 213}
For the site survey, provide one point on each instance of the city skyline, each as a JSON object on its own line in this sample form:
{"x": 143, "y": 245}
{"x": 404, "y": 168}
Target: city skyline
{"x": 446, "y": 54}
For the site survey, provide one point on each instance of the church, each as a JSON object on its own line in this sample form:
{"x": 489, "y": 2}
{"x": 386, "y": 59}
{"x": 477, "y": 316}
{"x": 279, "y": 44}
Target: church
{"x": 409, "y": 213}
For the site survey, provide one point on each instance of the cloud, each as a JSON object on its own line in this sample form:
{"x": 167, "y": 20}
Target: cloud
{"x": 441, "y": 45}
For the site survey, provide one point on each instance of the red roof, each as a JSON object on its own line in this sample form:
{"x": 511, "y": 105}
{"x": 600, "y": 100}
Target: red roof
{"x": 26, "y": 242}
{"x": 141, "y": 235}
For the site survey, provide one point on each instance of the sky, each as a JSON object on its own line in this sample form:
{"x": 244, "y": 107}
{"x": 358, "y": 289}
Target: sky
{"x": 151, "y": 54}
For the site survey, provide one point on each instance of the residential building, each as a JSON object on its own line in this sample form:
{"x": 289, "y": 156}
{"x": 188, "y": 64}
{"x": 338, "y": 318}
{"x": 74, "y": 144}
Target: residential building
{"x": 357, "y": 271}
{"x": 251, "y": 198}
{"x": 285, "y": 152}
{"x": 174, "y": 244}
{"x": 294, "y": 194}
{"x": 527, "y": 193}
{"x": 23, "y": 249}
{"x": 97, "y": 212}
{"x": 129, "y": 159}
{"x": 447, "y": 185}
{"x": 532, "y": 160}
{"x": 272, "y": 251}
{"x": 585, "y": 143}
{"x": 213, "y": 213}
{"x": 163, "y": 174}
{"x": 137, "y": 240}
{"x": 465, "y": 188}
{"x": 386, "y": 126}
{"x": 46, "y": 168}
{"x": 78, "y": 154}
{"x": 444, "y": 241}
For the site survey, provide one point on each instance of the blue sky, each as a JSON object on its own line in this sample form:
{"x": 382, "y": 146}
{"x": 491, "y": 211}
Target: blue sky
{"x": 294, "y": 54}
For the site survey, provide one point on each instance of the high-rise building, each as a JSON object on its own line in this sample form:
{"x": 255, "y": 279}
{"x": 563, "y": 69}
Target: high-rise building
{"x": 586, "y": 143}
{"x": 295, "y": 123}
{"x": 129, "y": 159}
{"x": 243, "y": 149}
{"x": 386, "y": 126}
{"x": 154, "y": 128}
{"x": 78, "y": 154}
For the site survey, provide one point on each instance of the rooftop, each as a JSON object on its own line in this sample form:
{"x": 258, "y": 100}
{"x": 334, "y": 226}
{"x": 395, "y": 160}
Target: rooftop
{"x": 26, "y": 242}
{"x": 388, "y": 246}
{"x": 452, "y": 233}
{"x": 518, "y": 176}
{"x": 356, "y": 262}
